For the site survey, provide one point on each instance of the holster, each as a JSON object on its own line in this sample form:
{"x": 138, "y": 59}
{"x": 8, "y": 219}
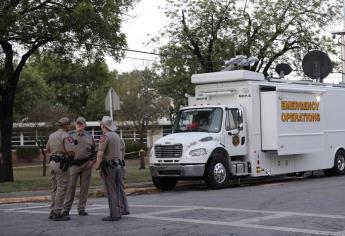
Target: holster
{"x": 65, "y": 163}
{"x": 104, "y": 166}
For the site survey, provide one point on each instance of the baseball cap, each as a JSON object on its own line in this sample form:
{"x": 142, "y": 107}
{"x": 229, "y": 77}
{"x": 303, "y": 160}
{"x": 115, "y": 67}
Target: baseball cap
{"x": 63, "y": 121}
{"x": 81, "y": 120}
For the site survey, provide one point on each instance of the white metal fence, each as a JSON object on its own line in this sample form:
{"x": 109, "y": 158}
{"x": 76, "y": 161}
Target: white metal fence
{"x": 25, "y": 136}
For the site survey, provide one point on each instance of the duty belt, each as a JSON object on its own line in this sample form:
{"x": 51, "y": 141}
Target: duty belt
{"x": 56, "y": 158}
{"x": 113, "y": 163}
{"x": 63, "y": 160}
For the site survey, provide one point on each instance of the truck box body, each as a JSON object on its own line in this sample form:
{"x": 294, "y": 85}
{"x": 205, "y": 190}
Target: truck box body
{"x": 286, "y": 126}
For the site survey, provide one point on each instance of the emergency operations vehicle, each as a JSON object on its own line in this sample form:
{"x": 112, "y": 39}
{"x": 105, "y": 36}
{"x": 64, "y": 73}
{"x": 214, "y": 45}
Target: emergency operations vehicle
{"x": 240, "y": 124}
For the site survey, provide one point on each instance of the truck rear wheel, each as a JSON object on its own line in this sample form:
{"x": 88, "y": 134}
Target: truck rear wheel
{"x": 339, "y": 164}
{"x": 164, "y": 183}
{"x": 217, "y": 173}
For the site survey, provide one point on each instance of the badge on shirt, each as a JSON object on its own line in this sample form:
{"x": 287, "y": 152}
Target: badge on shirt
{"x": 102, "y": 138}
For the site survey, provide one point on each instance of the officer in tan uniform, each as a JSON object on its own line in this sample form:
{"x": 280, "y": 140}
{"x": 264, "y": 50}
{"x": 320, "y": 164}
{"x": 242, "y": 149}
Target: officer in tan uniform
{"x": 108, "y": 164}
{"x": 84, "y": 158}
{"x": 120, "y": 186}
{"x": 60, "y": 151}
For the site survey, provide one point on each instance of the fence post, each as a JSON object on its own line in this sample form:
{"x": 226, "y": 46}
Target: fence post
{"x": 21, "y": 138}
{"x": 142, "y": 159}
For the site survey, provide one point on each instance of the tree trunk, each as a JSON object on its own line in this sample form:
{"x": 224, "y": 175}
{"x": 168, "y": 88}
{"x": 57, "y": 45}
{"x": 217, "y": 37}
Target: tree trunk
{"x": 7, "y": 96}
{"x": 6, "y": 127}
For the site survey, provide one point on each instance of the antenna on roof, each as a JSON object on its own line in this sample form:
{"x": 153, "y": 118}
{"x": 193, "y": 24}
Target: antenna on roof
{"x": 283, "y": 69}
{"x": 316, "y": 65}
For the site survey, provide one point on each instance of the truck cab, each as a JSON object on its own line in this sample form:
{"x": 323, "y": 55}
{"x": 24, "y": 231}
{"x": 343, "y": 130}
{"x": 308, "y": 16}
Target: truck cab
{"x": 205, "y": 142}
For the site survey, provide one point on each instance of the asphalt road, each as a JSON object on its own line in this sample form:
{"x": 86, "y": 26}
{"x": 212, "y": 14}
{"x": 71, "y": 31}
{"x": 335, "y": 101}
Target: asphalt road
{"x": 304, "y": 206}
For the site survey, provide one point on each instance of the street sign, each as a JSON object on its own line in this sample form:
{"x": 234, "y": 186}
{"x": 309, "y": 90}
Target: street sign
{"x": 112, "y": 102}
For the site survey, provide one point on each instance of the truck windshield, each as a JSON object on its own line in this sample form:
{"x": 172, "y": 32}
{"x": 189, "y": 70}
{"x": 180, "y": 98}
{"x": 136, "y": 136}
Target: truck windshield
{"x": 199, "y": 120}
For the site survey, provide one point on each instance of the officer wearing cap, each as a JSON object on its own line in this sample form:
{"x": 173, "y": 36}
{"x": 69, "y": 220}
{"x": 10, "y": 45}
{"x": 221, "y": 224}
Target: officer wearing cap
{"x": 84, "y": 158}
{"x": 108, "y": 164}
{"x": 60, "y": 151}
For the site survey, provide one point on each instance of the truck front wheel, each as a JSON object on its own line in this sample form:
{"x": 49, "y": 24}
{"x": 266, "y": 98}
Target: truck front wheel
{"x": 339, "y": 164}
{"x": 217, "y": 173}
{"x": 164, "y": 183}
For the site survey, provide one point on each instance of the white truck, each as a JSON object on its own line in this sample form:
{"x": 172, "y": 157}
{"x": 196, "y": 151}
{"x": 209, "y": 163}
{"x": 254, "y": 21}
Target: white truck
{"x": 241, "y": 124}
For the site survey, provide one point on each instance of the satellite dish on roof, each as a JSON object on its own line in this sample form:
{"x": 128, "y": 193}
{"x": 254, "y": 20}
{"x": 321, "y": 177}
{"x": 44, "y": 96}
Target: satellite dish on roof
{"x": 316, "y": 65}
{"x": 283, "y": 69}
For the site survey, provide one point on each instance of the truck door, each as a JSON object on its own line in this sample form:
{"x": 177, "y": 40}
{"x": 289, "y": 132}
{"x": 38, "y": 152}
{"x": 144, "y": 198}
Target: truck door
{"x": 235, "y": 139}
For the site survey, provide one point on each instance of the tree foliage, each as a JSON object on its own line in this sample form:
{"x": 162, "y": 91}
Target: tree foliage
{"x": 52, "y": 83}
{"x": 32, "y": 91}
{"x": 141, "y": 103}
{"x": 202, "y": 34}
{"x": 62, "y": 26}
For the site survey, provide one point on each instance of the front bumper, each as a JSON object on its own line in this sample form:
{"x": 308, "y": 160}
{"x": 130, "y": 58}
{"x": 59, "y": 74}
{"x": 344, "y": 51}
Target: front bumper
{"x": 196, "y": 170}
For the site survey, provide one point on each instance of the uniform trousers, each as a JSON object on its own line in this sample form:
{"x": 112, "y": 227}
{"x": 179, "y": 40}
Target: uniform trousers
{"x": 109, "y": 179}
{"x": 120, "y": 189}
{"x": 84, "y": 173}
{"x": 59, "y": 181}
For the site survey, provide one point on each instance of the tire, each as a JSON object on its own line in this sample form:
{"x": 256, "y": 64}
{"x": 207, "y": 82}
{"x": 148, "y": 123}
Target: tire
{"x": 339, "y": 164}
{"x": 217, "y": 173}
{"x": 164, "y": 183}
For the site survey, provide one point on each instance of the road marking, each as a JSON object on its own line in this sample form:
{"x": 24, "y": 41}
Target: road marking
{"x": 249, "y": 222}
{"x": 25, "y": 208}
{"x": 234, "y": 224}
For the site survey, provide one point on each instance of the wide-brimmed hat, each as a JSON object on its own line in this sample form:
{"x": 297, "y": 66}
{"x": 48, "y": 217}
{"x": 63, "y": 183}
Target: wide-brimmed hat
{"x": 109, "y": 123}
{"x": 81, "y": 120}
{"x": 63, "y": 121}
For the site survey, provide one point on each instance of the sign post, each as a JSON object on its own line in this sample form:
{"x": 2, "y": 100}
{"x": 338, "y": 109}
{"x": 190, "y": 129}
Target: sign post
{"x": 112, "y": 102}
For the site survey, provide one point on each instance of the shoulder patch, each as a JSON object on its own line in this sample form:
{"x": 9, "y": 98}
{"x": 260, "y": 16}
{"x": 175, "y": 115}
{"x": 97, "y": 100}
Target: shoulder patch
{"x": 102, "y": 138}
{"x": 70, "y": 139}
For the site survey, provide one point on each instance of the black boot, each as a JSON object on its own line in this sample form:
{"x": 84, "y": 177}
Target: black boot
{"x": 51, "y": 215}
{"x": 82, "y": 213}
{"x": 60, "y": 217}
{"x": 65, "y": 213}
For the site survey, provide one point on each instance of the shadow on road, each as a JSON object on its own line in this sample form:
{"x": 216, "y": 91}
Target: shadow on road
{"x": 199, "y": 185}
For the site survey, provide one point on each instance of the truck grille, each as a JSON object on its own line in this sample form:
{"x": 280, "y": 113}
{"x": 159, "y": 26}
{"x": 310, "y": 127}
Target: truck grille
{"x": 168, "y": 151}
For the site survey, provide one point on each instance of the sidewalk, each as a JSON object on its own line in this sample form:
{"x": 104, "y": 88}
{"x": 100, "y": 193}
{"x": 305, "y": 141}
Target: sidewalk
{"x": 34, "y": 196}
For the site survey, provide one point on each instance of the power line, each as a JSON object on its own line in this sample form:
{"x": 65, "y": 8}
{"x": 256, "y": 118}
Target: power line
{"x": 143, "y": 59}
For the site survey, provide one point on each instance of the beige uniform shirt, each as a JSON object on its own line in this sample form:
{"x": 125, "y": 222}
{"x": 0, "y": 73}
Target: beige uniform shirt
{"x": 82, "y": 145}
{"x": 110, "y": 144}
{"x": 59, "y": 142}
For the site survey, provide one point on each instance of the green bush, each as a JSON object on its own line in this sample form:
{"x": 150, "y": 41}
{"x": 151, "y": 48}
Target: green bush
{"x": 133, "y": 146}
{"x": 27, "y": 152}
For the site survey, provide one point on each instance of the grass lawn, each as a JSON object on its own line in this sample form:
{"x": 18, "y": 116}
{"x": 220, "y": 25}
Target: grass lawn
{"x": 29, "y": 178}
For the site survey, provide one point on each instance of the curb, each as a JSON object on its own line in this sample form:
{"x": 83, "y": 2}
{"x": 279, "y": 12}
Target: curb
{"x": 93, "y": 193}
{"x": 24, "y": 199}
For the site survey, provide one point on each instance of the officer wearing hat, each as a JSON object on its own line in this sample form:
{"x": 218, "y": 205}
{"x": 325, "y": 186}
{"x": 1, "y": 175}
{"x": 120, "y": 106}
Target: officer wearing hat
{"x": 60, "y": 151}
{"x": 108, "y": 164}
{"x": 84, "y": 158}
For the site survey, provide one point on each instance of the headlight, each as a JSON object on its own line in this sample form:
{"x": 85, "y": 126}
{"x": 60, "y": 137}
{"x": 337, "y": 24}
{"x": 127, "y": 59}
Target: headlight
{"x": 198, "y": 152}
